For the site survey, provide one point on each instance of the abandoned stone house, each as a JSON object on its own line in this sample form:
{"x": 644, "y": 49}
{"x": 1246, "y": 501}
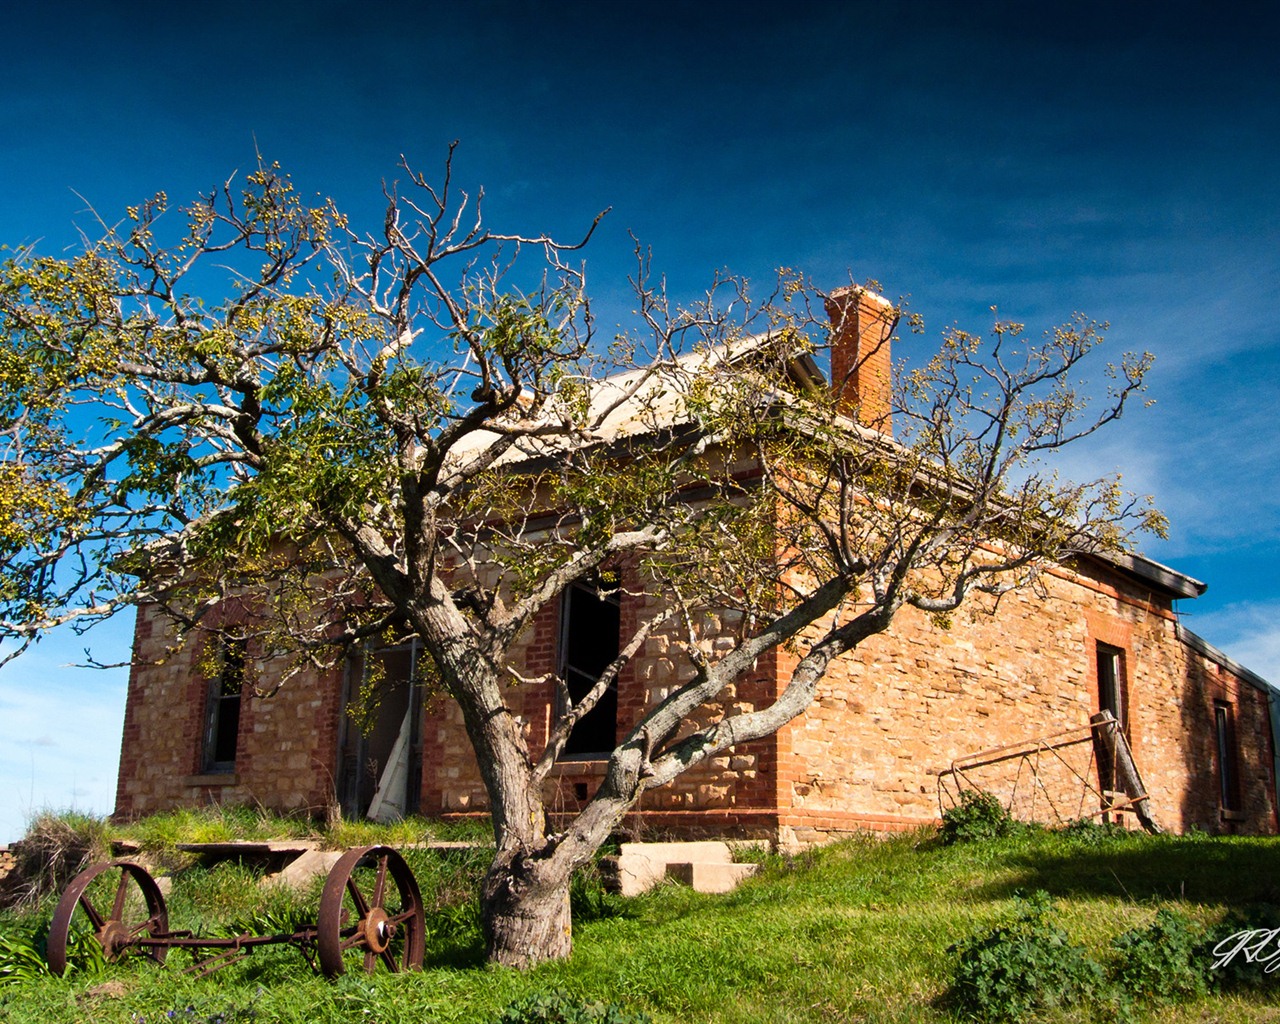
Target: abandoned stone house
{"x": 1000, "y": 701}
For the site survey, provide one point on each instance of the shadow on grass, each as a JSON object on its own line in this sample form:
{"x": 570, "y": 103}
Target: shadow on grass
{"x": 1226, "y": 871}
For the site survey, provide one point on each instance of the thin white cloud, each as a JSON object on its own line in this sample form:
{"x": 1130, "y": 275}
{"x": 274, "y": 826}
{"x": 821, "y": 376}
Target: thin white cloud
{"x": 1249, "y": 633}
{"x": 60, "y": 734}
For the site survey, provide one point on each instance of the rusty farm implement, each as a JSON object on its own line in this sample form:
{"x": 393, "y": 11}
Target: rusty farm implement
{"x": 371, "y": 915}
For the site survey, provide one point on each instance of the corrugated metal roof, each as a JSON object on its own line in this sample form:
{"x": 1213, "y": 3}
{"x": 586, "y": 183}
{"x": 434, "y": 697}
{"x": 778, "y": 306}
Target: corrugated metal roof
{"x": 651, "y": 399}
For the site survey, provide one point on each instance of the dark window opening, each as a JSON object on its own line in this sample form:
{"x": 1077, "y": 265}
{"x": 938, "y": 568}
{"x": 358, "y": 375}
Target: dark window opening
{"x": 222, "y": 714}
{"x": 1228, "y": 755}
{"x": 1112, "y": 692}
{"x": 588, "y": 645}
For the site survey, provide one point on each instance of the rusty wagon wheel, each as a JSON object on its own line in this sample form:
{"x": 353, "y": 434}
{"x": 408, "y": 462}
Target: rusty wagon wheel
{"x": 359, "y": 913}
{"x": 120, "y": 902}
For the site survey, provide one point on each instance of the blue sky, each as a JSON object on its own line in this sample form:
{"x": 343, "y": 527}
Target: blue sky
{"x": 1119, "y": 159}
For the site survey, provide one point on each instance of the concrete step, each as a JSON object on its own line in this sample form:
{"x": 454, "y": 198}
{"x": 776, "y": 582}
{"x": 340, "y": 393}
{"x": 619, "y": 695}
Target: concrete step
{"x": 711, "y": 877}
{"x": 710, "y": 850}
{"x": 302, "y": 869}
{"x": 706, "y": 865}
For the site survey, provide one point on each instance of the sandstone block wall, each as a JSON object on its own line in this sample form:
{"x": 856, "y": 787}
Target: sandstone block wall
{"x": 892, "y": 715}
{"x": 887, "y": 720}
{"x": 286, "y": 743}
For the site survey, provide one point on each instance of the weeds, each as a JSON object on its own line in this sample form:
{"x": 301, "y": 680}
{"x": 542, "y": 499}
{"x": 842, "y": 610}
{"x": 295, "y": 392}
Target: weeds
{"x": 558, "y": 1007}
{"x": 55, "y": 848}
{"x": 20, "y": 960}
{"x": 1161, "y": 963}
{"x": 1023, "y": 967}
{"x": 979, "y": 815}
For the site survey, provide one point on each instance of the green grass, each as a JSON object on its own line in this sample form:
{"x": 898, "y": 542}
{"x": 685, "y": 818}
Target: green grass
{"x": 159, "y": 833}
{"x": 854, "y": 932}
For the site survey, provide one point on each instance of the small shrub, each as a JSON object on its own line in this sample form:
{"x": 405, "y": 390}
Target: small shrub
{"x": 558, "y": 1007}
{"x": 978, "y": 816}
{"x": 55, "y": 848}
{"x": 1161, "y": 963}
{"x": 1244, "y": 970}
{"x": 1090, "y": 832}
{"x": 1023, "y": 967}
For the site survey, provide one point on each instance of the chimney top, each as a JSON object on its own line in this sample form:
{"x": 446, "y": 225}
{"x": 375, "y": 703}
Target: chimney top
{"x": 862, "y": 323}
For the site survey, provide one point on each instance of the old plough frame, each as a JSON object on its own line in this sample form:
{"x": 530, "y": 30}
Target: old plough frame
{"x": 1118, "y": 787}
{"x": 387, "y": 927}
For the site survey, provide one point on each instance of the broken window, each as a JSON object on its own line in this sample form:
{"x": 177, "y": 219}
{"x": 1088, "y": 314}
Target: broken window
{"x": 380, "y": 748}
{"x": 1112, "y": 691}
{"x": 222, "y": 708}
{"x": 1228, "y": 757}
{"x": 589, "y": 624}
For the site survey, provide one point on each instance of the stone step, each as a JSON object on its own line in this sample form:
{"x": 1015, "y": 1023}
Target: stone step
{"x": 707, "y": 850}
{"x": 302, "y": 869}
{"x": 641, "y": 866}
{"x": 711, "y": 877}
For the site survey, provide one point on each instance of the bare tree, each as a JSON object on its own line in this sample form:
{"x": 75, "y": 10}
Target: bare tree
{"x": 417, "y": 432}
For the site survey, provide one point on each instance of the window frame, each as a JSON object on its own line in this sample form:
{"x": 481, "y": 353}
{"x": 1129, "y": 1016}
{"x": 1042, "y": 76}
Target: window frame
{"x": 1227, "y": 757}
{"x": 224, "y": 708}
{"x": 1112, "y": 682}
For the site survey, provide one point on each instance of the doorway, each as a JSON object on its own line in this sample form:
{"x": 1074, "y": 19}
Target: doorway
{"x": 380, "y": 746}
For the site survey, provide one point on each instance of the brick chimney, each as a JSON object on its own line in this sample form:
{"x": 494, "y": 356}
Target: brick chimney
{"x": 861, "y": 365}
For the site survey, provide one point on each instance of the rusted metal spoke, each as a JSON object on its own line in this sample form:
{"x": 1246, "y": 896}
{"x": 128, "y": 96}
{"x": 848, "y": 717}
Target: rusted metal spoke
{"x": 403, "y": 916}
{"x": 389, "y": 960}
{"x": 370, "y": 958}
{"x": 380, "y": 886}
{"x": 122, "y": 890}
{"x": 146, "y": 925}
{"x": 97, "y": 919}
{"x": 362, "y": 906}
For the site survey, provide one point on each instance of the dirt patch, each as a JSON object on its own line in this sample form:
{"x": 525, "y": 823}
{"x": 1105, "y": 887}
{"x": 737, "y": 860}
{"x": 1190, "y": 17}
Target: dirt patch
{"x": 113, "y": 989}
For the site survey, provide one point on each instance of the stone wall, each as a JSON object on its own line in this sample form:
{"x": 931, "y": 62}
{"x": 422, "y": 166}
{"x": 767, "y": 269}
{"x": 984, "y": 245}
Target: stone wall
{"x": 887, "y": 720}
{"x": 286, "y": 743}
{"x": 893, "y": 715}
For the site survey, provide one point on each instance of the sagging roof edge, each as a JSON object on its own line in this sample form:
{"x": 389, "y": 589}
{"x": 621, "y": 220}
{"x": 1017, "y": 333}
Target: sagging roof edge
{"x": 1169, "y": 580}
{"x": 1202, "y": 646}
{"x": 806, "y": 372}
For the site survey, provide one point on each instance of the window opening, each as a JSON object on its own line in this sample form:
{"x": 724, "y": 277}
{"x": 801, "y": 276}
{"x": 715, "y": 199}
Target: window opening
{"x": 1228, "y": 777}
{"x": 222, "y": 713}
{"x": 1111, "y": 684}
{"x": 588, "y": 645}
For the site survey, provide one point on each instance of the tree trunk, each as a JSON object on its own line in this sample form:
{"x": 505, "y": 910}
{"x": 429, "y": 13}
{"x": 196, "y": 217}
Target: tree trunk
{"x": 525, "y": 909}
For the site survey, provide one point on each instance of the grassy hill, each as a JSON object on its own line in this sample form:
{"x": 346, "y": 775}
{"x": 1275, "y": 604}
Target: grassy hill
{"x": 858, "y": 931}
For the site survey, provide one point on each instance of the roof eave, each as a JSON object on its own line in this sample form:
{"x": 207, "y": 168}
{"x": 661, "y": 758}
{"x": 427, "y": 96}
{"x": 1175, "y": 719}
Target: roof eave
{"x": 1170, "y": 581}
{"x": 1202, "y": 646}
